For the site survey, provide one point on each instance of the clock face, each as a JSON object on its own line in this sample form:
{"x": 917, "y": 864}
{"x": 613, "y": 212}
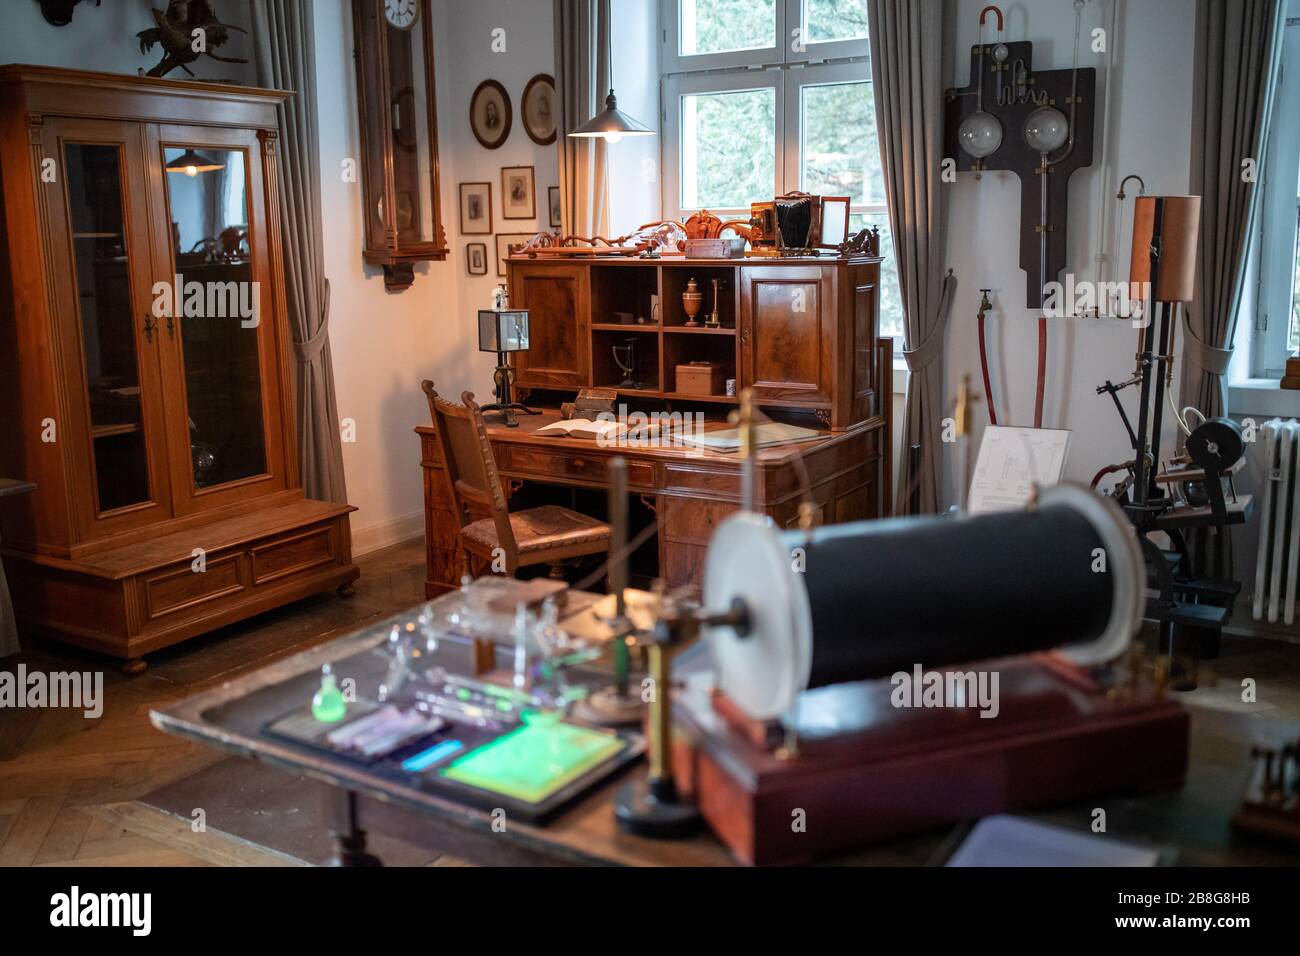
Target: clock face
{"x": 401, "y": 13}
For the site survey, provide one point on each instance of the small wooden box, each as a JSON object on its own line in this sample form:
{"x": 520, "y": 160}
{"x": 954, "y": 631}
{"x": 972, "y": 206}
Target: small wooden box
{"x": 728, "y": 247}
{"x": 700, "y": 378}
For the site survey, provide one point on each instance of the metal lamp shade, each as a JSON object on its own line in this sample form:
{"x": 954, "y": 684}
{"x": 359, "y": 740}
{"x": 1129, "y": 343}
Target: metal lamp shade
{"x": 1180, "y": 225}
{"x": 611, "y": 123}
{"x": 191, "y": 164}
{"x": 504, "y": 331}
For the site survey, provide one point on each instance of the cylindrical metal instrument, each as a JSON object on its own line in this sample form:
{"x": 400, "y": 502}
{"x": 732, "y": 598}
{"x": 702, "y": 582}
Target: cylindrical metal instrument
{"x": 863, "y": 600}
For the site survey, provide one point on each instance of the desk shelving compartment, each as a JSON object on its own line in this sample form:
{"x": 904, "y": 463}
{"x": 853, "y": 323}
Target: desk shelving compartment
{"x": 719, "y": 349}
{"x": 623, "y": 288}
{"x": 605, "y": 371}
{"x": 675, "y": 280}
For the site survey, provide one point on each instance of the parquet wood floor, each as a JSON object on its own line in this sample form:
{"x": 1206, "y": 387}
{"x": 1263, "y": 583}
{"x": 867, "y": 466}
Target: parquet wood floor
{"x": 68, "y": 783}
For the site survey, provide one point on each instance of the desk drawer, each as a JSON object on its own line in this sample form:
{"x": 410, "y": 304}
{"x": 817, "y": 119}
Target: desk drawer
{"x": 543, "y": 464}
{"x": 693, "y": 521}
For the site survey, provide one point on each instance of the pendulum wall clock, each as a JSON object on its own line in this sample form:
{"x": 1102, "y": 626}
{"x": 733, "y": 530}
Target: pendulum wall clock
{"x": 399, "y": 137}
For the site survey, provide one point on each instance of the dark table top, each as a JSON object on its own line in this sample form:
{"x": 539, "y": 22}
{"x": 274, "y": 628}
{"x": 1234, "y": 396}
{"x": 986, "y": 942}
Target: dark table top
{"x": 1193, "y": 819}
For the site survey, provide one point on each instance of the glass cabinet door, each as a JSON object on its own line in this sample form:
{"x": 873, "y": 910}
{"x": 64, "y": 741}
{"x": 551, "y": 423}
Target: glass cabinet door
{"x": 227, "y": 445}
{"x": 116, "y": 417}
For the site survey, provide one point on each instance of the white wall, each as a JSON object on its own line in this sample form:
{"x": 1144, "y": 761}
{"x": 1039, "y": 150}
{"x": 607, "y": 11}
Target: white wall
{"x": 529, "y": 49}
{"x": 104, "y": 38}
{"x": 634, "y": 162}
{"x": 1150, "y": 65}
{"x": 383, "y": 342}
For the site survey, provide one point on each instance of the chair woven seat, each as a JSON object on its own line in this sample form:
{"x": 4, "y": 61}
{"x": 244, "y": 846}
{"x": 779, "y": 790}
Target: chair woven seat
{"x": 543, "y": 528}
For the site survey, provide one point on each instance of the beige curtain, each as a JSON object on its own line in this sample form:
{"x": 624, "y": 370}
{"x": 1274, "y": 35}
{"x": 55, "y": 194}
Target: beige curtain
{"x": 907, "y": 83}
{"x": 286, "y": 60}
{"x": 1238, "y": 49}
{"x": 581, "y": 84}
{"x": 1237, "y": 56}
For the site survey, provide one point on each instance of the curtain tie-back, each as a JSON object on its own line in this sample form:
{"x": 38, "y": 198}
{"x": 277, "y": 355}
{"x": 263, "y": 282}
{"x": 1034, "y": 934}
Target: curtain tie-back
{"x": 1206, "y": 356}
{"x": 929, "y": 350}
{"x": 309, "y": 350}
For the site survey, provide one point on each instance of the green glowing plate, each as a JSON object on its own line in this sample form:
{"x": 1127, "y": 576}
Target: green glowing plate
{"x": 536, "y": 761}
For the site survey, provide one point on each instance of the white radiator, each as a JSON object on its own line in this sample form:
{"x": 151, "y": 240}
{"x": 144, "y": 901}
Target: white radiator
{"x": 1279, "y": 520}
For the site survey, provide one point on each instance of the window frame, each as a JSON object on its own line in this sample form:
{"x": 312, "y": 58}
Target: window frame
{"x": 789, "y": 16}
{"x": 786, "y": 71}
{"x": 671, "y": 60}
{"x": 826, "y": 49}
{"x": 828, "y": 63}
{"x": 822, "y": 74}
{"x": 676, "y": 86}
{"x": 1279, "y": 230}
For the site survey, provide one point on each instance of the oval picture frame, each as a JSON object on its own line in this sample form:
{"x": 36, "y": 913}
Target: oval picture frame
{"x": 490, "y": 134}
{"x": 541, "y": 85}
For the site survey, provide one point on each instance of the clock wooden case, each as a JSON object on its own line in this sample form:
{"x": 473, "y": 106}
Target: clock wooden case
{"x": 160, "y": 434}
{"x": 399, "y": 137}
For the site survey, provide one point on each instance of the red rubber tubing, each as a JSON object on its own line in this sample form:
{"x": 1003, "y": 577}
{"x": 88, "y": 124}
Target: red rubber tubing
{"x": 1108, "y": 470}
{"x": 1042, "y": 370}
{"x": 984, "y": 13}
{"x": 984, "y": 368}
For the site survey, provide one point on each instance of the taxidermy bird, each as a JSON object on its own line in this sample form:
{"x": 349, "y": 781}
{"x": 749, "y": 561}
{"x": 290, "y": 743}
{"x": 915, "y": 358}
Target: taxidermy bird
{"x": 176, "y": 32}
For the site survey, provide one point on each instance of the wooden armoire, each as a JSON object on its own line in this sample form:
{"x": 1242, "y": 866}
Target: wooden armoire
{"x": 146, "y": 365}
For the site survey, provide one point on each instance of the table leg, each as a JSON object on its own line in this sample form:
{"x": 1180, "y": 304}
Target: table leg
{"x": 349, "y": 838}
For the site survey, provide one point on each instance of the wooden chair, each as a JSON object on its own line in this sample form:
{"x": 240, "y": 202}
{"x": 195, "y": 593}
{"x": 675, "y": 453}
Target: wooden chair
{"x": 546, "y": 535}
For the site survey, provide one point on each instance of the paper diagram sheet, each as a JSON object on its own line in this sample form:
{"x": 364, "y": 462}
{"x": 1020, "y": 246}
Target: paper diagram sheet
{"x": 1011, "y": 461}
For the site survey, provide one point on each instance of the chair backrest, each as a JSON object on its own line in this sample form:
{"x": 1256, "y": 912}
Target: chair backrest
{"x": 472, "y": 476}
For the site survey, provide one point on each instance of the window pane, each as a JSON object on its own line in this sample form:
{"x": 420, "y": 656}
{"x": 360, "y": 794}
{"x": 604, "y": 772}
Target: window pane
{"x": 103, "y": 281}
{"x": 839, "y": 154}
{"x": 223, "y": 384}
{"x": 728, "y": 148}
{"x": 891, "y": 300}
{"x": 721, "y": 26}
{"x": 826, "y": 20}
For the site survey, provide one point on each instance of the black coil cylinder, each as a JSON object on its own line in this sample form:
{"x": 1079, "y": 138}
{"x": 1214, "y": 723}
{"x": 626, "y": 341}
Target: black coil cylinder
{"x": 887, "y": 595}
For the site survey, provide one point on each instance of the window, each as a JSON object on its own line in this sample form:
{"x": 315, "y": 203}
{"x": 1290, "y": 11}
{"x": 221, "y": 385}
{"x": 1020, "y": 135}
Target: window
{"x": 1277, "y": 316}
{"x": 763, "y": 97}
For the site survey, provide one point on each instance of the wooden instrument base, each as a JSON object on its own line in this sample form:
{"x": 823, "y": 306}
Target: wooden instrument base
{"x": 1292, "y": 377}
{"x": 1270, "y": 807}
{"x": 866, "y": 770}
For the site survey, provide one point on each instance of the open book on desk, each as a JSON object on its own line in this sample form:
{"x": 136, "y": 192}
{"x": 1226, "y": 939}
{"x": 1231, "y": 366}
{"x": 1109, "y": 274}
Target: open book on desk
{"x": 598, "y": 429}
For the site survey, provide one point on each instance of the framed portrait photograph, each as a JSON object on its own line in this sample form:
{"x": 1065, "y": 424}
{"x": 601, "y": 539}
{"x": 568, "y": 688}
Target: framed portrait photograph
{"x": 489, "y": 114}
{"x": 506, "y": 242}
{"x": 476, "y": 209}
{"x": 476, "y": 258}
{"x": 538, "y": 109}
{"x": 517, "y": 193}
{"x": 553, "y": 203}
{"x": 834, "y": 221}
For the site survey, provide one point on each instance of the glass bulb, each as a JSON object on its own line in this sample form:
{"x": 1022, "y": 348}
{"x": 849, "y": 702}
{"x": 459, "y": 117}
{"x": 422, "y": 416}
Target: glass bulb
{"x": 980, "y": 134}
{"x": 1046, "y": 129}
{"x": 1001, "y": 52}
{"x": 613, "y": 137}
{"x": 191, "y": 171}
